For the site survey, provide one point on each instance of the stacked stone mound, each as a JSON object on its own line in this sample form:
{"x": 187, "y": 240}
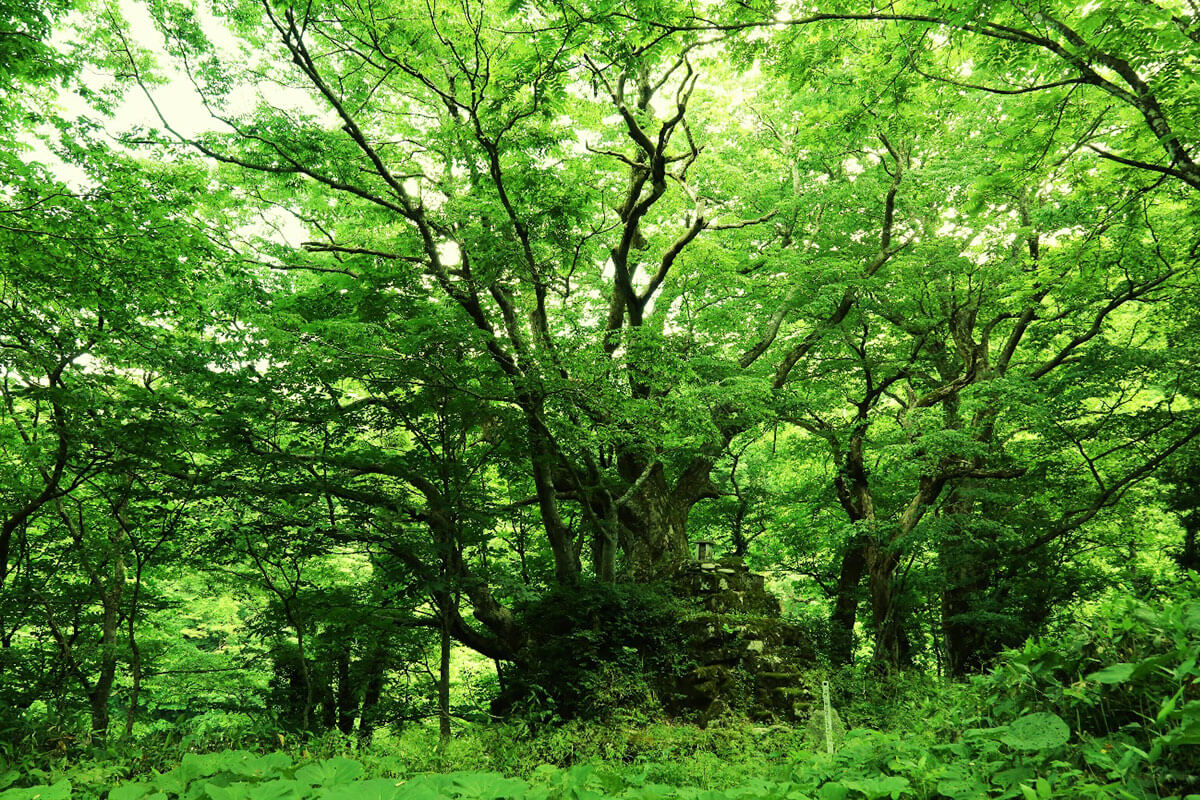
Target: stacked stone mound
{"x": 748, "y": 659}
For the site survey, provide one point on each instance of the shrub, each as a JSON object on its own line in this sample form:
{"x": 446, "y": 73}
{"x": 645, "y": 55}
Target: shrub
{"x": 594, "y": 650}
{"x": 1124, "y": 682}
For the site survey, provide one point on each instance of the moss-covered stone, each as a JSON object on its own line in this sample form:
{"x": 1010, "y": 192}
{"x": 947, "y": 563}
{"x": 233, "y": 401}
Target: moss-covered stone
{"x": 747, "y": 658}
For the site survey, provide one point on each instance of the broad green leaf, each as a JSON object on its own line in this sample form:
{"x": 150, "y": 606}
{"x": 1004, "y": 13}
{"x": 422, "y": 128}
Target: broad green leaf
{"x": 61, "y": 790}
{"x": 130, "y": 791}
{"x": 331, "y": 772}
{"x": 892, "y": 786}
{"x": 1115, "y": 673}
{"x": 1038, "y": 731}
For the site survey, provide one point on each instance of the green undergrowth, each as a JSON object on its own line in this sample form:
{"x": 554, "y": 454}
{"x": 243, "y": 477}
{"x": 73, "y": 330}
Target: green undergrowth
{"x": 1026, "y": 759}
{"x": 1109, "y": 709}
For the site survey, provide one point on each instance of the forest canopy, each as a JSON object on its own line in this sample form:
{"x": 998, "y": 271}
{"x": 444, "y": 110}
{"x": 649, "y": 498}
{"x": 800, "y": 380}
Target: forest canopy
{"x": 342, "y": 341}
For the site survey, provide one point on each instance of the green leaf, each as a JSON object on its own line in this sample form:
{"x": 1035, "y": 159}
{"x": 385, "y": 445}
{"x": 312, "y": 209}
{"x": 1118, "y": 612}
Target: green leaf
{"x": 833, "y": 791}
{"x": 130, "y": 791}
{"x": 892, "y": 786}
{"x": 332, "y": 772}
{"x": 1116, "y": 673}
{"x": 1038, "y": 731}
{"x": 58, "y": 791}
{"x": 1191, "y": 616}
{"x": 277, "y": 790}
{"x": 1008, "y": 778}
{"x": 1189, "y": 734}
{"x": 1168, "y": 707}
{"x": 961, "y": 788}
{"x": 488, "y": 785}
{"x": 377, "y": 789}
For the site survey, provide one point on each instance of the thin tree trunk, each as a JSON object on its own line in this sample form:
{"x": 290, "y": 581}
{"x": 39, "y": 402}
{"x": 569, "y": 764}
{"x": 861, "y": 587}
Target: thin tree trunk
{"x": 305, "y": 674}
{"x": 1189, "y": 559}
{"x": 111, "y": 599}
{"x": 444, "y": 681}
{"x": 738, "y": 532}
{"x": 375, "y": 674}
{"x": 346, "y": 694}
{"x": 135, "y": 653}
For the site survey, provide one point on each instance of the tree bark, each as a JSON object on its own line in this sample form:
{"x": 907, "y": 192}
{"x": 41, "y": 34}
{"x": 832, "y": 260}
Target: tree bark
{"x": 854, "y": 493}
{"x": 655, "y": 539}
{"x": 346, "y": 691}
{"x": 891, "y": 645}
{"x": 653, "y": 524}
{"x": 1189, "y": 557}
{"x": 845, "y": 603}
{"x": 374, "y": 675}
{"x": 444, "y": 731}
{"x": 968, "y": 566}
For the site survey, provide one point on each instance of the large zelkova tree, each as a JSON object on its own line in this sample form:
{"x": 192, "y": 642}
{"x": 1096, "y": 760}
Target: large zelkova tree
{"x": 925, "y": 273}
{"x": 636, "y": 276}
{"x": 540, "y": 186}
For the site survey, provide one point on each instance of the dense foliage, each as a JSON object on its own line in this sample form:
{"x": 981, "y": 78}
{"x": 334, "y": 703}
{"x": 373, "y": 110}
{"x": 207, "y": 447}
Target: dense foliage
{"x": 367, "y": 364}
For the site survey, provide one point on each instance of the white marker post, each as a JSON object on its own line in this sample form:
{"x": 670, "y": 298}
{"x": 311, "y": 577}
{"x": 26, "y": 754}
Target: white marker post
{"x": 828, "y": 718}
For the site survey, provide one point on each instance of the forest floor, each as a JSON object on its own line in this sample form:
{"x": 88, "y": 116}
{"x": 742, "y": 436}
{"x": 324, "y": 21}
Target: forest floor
{"x": 1103, "y": 711}
{"x": 624, "y": 760}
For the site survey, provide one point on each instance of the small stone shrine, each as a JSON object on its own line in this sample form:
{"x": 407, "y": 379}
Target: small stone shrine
{"x": 748, "y": 658}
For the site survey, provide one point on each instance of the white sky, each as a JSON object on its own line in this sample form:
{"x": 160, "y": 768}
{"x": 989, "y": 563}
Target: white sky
{"x": 177, "y": 99}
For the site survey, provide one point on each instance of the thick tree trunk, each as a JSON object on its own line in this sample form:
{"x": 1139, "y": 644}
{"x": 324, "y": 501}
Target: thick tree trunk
{"x": 653, "y": 523}
{"x": 327, "y": 702}
{"x": 845, "y": 603}
{"x": 891, "y": 645}
{"x": 966, "y": 649}
{"x": 967, "y": 567}
{"x": 853, "y": 490}
{"x": 971, "y": 559}
{"x": 98, "y": 702}
{"x": 655, "y": 538}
